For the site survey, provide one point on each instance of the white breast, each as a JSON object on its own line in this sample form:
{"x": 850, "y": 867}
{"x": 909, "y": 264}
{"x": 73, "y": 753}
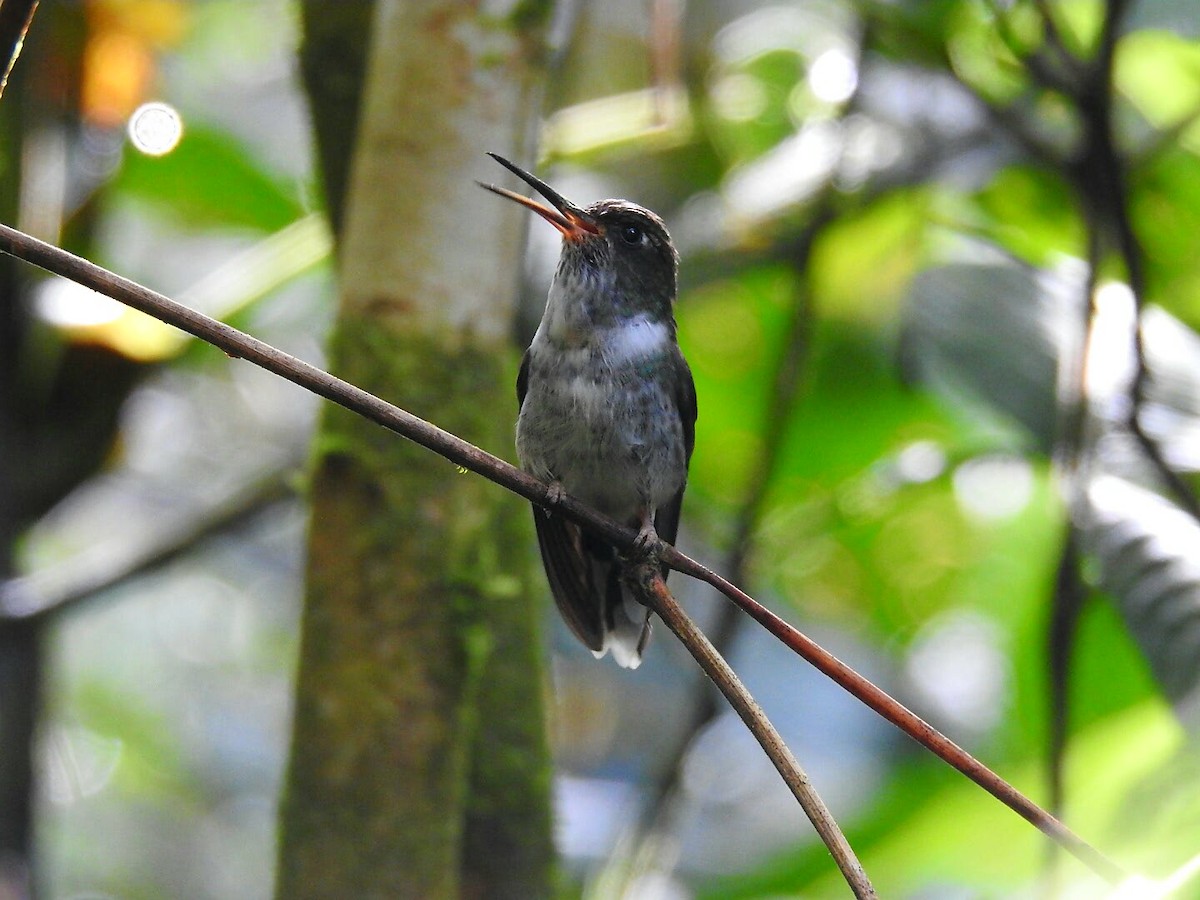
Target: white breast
{"x": 635, "y": 338}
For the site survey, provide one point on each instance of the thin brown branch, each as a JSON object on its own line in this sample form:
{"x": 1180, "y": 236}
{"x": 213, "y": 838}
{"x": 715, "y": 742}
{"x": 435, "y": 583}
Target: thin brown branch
{"x": 1009, "y": 119}
{"x": 666, "y": 27}
{"x": 15, "y": 18}
{"x": 240, "y": 345}
{"x": 648, "y": 583}
{"x": 1062, "y": 633}
{"x": 902, "y": 717}
{"x": 1070, "y": 593}
{"x": 785, "y": 388}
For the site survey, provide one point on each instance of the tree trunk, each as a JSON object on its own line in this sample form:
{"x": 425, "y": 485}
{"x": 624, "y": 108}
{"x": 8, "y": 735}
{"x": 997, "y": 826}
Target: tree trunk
{"x": 419, "y": 761}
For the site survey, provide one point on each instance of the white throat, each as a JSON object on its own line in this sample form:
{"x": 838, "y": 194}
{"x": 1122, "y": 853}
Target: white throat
{"x": 635, "y": 338}
{"x": 626, "y": 341}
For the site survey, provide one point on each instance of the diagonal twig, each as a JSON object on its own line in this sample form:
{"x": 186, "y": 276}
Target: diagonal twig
{"x": 237, "y": 344}
{"x": 785, "y": 388}
{"x": 15, "y": 18}
{"x": 650, "y": 588}
{"x": 39, "y": 595}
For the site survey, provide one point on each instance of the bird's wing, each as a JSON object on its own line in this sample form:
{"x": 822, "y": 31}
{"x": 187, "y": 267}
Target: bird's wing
{"x": 685, "y": 402}
{"x": 666, "y": 519}
{"x": 523, "y": 380}
{"x": 570, "y": 567}
{"x": 571, "y": 570}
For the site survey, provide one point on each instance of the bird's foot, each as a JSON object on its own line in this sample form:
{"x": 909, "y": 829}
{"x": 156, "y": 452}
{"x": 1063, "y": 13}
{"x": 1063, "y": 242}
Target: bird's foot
{"x": 647, "y": 546}
{"x": 555, "y": 493}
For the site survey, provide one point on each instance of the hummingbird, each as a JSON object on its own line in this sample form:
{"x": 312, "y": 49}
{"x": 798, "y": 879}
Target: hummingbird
{"x": 607, "y": 406}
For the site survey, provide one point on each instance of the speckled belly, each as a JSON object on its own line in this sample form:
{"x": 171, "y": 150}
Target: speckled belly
{"x": 614, "y": 442}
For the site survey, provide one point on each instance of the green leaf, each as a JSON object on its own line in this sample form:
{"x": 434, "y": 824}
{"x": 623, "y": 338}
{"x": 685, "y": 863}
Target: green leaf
{"x": 1165, "y": 207}
{"x": 1032, "y": 213}
{"x": 210, "y": 180}
{"x": 883, "y": 238}
{"x": 732, "y": 332}
{"x": 1159, "y": 73}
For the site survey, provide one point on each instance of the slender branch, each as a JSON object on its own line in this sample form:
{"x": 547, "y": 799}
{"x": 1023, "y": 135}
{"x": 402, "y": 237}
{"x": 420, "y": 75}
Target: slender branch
{"x": 1010, "y": 120}
{"x": 1071, "y": 461}
{"x": 240, "y": 345}
{"x": 1062, "y": 632}
{"x": 1102, "y": 183}
{"x": 15, "y": 18}
{"x": 666, "y": 27}
{"x": 902, "y": 717}
{"x": 647, "y": 582}
{"x": 1070, "y": 594}
{"x": 39, "y": 595}
{"x": 781, "y": 401}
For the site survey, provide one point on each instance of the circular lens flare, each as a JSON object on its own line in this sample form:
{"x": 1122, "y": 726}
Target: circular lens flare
{"x": 155, "y": 128}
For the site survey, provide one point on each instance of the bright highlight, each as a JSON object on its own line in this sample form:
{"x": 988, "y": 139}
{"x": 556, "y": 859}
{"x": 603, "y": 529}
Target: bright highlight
{"x": 155, "y": 128}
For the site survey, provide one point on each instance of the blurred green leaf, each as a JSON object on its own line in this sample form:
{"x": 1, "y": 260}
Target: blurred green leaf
{"x": 1032, "y": 213}
{"x": 732, "y": 332}
{"x": 749, "y": 108}
{"x": 1159, "y": 73}
{"x": 913, "y": 32}
{"x": 1165, "y": 206}
{"x": 855, "y": 408}
{"x": 883, "y": 241}
{"x": 210, "y": 181}
{"x": 981, "y": 58}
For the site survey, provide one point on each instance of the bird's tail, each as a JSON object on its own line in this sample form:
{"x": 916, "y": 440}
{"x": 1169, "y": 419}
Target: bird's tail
{"x": 626, "y": 622}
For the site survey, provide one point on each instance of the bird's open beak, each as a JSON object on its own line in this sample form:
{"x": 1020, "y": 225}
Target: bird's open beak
{"x": 573, "y": 222}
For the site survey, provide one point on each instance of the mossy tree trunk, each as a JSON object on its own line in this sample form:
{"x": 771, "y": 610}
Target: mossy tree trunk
{"x": 419, "y": 762}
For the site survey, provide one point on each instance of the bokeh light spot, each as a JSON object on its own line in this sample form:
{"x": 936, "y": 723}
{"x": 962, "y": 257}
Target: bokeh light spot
{"x": 155, "y": 128}
{"x": 832, "y": 77}
{"x": 994, "y": 488}
{"x": 958, "y": 665}
{"x": 69, "y": 305}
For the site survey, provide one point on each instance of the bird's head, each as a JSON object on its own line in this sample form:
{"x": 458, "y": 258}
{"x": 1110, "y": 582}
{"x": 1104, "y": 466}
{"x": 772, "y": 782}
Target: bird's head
{"x": 613, "y": 247}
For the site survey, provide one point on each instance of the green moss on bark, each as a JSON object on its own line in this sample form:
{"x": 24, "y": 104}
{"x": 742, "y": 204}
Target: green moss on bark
{"x": 425, "y": 771}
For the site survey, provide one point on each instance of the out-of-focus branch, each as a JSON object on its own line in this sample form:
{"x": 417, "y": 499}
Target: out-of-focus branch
{"x": 1102, "y": 184}
{"x": 1054, "y": 36}
{"x": 1069, "y": 596}
{"x": 39, "y": 595}
{"x": 1098, "y": 174}
{"x": 1052, "y": 66}
{"x": 15, "y": 18}
{"x": 237, "y": 344}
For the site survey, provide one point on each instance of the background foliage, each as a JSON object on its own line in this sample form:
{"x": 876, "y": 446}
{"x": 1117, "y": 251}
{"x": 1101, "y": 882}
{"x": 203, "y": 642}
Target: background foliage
{"x": 892, "y": 217}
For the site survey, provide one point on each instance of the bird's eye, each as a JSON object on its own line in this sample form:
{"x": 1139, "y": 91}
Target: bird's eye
{"x": 631, "y": 234}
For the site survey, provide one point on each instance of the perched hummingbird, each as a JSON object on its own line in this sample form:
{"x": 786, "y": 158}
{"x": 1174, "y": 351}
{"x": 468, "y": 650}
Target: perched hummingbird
{"x": 608, "y": 407}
